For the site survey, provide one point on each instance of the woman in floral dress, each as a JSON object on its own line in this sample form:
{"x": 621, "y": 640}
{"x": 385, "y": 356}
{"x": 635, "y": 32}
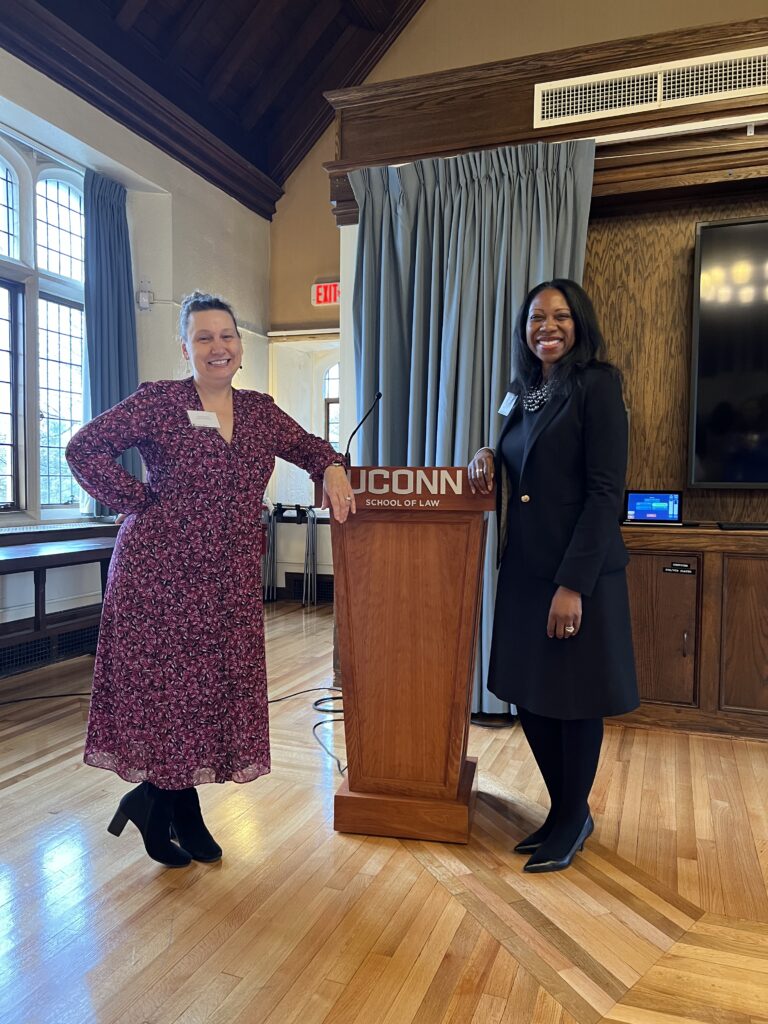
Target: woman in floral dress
{"x": 180, "y": 689}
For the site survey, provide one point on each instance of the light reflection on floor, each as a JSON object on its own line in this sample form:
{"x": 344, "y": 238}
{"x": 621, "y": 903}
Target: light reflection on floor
{"x": 8, "y": 950}
{"x": 64, "y": 924}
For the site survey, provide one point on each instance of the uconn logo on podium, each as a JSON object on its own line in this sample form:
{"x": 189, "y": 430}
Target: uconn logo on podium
{"x": 414, "y": 488}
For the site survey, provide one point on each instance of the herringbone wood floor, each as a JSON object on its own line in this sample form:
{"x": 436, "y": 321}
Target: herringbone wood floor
{"x": 663, "y": 919}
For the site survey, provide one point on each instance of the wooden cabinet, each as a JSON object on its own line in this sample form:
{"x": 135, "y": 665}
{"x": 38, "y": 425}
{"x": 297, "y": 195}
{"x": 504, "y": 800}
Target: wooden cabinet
{"x": 663, "y": 596}
{"x": 699, "y": 600}
{"x": 744, "y": 671}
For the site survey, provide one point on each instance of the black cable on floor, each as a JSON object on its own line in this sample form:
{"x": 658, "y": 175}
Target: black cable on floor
{"x": 274, "y": 700}
{"x": 47, "y": 696}
{"x": 312, "y": 689}
{"x": 329, "y": 752}
{"x": 318, "y": 706}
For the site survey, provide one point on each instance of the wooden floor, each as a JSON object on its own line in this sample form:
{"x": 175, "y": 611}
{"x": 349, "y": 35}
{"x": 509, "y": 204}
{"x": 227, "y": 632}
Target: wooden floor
{"x": 662, "y": 920}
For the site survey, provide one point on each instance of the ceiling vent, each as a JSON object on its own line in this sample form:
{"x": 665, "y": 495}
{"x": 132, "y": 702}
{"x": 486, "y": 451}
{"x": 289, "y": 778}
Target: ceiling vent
{"x": 652, "y": 87}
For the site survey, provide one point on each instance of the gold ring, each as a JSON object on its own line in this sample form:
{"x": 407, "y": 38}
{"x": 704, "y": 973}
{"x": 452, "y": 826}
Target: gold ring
{"x": 570, "y": 629}
{"x": 348, "y": 498}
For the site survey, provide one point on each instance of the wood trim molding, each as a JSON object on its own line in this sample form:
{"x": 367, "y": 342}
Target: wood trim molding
{"x": 31, "y": 33}
{"x": 491, "y": 105}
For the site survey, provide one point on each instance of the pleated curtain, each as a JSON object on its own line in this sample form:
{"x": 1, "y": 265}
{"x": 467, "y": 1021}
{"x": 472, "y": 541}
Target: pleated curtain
{"x": 110, "y": 314}
{"x": 447, "y": 250}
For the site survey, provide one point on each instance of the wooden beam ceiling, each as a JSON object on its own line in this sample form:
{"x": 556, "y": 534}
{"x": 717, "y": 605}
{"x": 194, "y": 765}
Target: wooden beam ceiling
{"x": 129, "y": 12}
{"x": 272, "y": 82}
{"x": 374, "y": 15}
{"x": 240, "y": 48}
{"x": 233, "y": 88}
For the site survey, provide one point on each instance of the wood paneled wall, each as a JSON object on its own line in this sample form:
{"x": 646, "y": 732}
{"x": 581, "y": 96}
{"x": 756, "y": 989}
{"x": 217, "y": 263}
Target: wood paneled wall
{"x": 639, "y": 272}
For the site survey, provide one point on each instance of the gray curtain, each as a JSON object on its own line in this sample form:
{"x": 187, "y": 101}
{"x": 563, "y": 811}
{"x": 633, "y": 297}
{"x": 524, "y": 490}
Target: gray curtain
{"x": 447, "y": 250}
{"x": 110, "y": 314}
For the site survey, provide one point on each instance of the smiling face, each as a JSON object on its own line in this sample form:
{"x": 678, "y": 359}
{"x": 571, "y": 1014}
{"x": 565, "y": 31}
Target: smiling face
{"x": 212, "y": 346}
{"x": 550, "y": 332}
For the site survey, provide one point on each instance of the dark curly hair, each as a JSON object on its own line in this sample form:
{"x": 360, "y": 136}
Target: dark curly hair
{"x": 199, "y": 302}
{"x": 588, "y": 348}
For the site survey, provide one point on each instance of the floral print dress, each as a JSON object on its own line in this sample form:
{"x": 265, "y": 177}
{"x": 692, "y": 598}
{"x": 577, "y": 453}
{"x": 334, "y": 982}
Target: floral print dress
{"x": 180, "y": 688}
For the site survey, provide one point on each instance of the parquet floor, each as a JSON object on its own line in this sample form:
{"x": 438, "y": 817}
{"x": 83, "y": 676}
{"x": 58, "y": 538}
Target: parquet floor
{"x": 662, "y": 920}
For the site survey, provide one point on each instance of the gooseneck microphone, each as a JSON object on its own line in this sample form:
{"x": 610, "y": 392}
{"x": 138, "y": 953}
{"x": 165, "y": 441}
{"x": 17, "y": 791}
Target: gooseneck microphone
{"x": 362, "y": 421}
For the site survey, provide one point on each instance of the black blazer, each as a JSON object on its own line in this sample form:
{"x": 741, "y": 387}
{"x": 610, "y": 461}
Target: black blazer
{"x": 572, "y": 483}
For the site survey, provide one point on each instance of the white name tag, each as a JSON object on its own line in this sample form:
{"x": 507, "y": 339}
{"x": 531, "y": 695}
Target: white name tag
{"x": 200, "y": 418}
{"x": 508, "y": 404}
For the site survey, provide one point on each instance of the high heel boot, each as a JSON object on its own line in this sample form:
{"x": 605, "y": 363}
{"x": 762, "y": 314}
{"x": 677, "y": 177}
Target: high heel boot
{"x": 149, "y": 808}
{"x": 188, "y": 827}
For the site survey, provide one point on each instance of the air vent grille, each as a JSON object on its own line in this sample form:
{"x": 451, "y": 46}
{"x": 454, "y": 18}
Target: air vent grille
{"x": 651, "y": 87}
{"x": 716, "y": 78}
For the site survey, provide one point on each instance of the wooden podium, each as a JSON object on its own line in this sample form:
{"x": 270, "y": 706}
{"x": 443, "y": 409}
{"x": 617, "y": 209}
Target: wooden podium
{"x": 407, "y": 578}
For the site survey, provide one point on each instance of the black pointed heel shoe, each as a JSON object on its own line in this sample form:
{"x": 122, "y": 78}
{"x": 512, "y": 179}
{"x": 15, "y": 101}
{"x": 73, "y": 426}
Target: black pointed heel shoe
{"x": 532, "y": 842}
{"x": 149, "y": 808}
{"x": 560, "y": 863}
{"x": 188, "y": 827}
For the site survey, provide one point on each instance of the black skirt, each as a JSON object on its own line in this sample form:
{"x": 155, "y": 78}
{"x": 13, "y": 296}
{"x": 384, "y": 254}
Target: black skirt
{"x": 591, "y": 675}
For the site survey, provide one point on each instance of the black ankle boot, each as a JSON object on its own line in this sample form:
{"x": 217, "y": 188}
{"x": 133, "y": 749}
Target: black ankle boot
{"x": 189, "y": 828}
{"x": 149, "y": 808}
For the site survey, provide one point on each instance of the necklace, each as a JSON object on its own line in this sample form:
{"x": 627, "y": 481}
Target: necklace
{"x": 535, "y": 398}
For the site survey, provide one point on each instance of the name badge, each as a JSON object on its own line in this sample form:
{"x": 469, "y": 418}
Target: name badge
{"x": 508, "y": 404}
{"x": 200, "y": 418}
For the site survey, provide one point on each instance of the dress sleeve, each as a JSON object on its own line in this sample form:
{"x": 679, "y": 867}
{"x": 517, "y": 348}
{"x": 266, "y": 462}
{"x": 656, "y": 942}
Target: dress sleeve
{"x": 605, "y": 466}
{"x": 92, "y": 452}
{"x": 294, "y": 444}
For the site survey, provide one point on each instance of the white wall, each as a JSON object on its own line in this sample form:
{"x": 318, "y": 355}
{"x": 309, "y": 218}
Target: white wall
{"x": 185, "y": 234}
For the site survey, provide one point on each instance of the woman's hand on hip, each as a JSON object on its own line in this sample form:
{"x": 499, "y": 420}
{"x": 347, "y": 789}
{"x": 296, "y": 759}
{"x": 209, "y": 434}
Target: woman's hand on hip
{"x": 480, "y": 472}
{"x": 564, "y": 619}
{"x": 337, "y": 493}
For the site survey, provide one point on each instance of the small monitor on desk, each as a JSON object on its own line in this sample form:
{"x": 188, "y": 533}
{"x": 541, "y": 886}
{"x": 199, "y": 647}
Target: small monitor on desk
{"x": 653, "y": 508}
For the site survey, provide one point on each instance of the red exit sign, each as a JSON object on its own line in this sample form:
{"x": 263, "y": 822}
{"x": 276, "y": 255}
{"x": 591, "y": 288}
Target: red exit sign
{"x": 326, "y": 294}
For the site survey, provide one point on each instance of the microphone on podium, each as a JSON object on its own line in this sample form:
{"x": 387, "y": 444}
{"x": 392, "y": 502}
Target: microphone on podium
{"x": 362, "y": 421}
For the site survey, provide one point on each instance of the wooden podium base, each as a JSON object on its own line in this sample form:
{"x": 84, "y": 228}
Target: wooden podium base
{"x": 409, "y": 817}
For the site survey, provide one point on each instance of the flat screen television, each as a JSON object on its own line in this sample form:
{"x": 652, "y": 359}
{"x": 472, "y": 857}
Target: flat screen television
{"x": 729, "y": 366}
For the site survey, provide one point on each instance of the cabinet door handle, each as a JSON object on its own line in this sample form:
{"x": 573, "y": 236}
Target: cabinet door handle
{"x": 685, "y": 643}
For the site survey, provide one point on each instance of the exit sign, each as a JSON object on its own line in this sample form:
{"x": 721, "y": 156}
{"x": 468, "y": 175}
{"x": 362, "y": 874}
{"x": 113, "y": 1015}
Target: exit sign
{"x": 326, "y": 294}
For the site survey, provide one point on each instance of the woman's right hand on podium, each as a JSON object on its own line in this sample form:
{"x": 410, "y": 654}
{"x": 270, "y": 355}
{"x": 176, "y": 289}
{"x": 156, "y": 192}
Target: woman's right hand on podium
{"x": 481, "y": 472}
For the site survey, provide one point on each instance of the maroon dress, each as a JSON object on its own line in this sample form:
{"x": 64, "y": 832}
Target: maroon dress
{"x": 180, "y": 687}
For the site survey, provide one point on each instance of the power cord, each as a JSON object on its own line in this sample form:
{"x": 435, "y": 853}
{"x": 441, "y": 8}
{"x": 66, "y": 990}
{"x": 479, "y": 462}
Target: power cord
{"x": 318, "y": 705}
{"x": 329, "y": 752}
{"x": 47, "y": 696}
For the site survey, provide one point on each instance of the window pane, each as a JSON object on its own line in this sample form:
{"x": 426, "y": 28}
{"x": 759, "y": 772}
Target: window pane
{"x": 331, "y": 382}
{"x": 7, "y": 403}
{"x": 9, "y": 212}
{"x": 333, "y": 423}
{"x": 6, "y": 488}
{"x": 6, "y": 428}
{"x": 60, "y": 373}
{"x": 60, "y": 228}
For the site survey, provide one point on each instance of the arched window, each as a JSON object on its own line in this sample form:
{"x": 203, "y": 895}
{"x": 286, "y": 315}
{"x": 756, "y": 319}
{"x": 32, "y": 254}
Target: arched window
{"x": 9, "y": 212}
{"x": 60, "y": 228}
{"x": 61, "y": 358}
{"x": 331, "y": 397}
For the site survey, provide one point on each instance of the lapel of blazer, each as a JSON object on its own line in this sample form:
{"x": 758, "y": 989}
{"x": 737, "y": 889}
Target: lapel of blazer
{"x": 545, "y": 417}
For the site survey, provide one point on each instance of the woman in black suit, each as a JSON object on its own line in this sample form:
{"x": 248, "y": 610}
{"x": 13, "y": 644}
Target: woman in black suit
{"x": 562, "y": 642}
